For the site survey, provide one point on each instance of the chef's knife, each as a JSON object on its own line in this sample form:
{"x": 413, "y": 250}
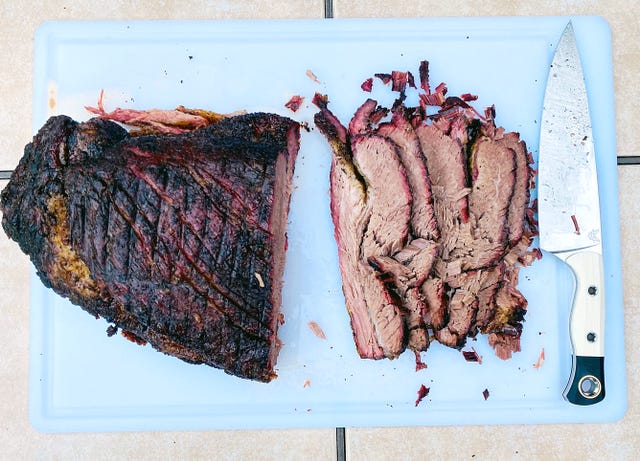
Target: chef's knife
{"x": 569, "y": 213}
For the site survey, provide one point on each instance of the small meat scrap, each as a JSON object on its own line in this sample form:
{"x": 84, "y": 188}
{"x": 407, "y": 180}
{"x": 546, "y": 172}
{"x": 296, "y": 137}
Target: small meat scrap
{"x": 398, "y": 81}
{"x": 158, "y": 121}
{"x": 312, "y": 76}
{"x": 316, "y": 329}
{"x": 422, "y": 393}
{"x": 575, "y": 224}
{"x": 307, "y": 383}
{"x": 386, "y": 78}
{"x": 294, "y": 103}
{"x": 367, "y": 85}
{"x": 420, "y": 365}
{"x": 320, "y": 100}
{"x": 472, "y": 356}
{"x": 540, "y": 360}
{"x": 485, "y": 394}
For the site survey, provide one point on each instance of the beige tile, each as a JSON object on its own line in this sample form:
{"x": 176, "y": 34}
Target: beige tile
{"x": 192, "y": 446}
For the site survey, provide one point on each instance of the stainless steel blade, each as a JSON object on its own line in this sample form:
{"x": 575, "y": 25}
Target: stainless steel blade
{"x": 569, "y": 208}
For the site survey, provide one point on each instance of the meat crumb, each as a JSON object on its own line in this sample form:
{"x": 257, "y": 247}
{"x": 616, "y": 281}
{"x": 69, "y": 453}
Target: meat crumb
{"x": 367, "y": 85}
{"x": 575, "y": 224}
{"x": 540, "y": 360}
{"x": 320, "y": 100}
{"x": 294, "y": 103}
{"x": 422, "y": 393}
{"x": 307, "y": 383}
{"x": 420, "y": 365}
{"x": 386, "y": 78}
{"x": 485, "y": 394}
{"x": 312, "y": 76}
{"x": 472, "y": 356}
{"x": 316, "y": 330}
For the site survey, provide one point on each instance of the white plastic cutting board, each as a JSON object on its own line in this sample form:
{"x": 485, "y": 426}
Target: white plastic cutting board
{"x": 81, "y": 380}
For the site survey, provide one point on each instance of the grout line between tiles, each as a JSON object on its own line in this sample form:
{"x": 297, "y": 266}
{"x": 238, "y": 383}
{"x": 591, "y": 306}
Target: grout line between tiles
{"x": 328, "y": 9}
{"x": 341, "y": 445}
{"x": 629, "y": 160}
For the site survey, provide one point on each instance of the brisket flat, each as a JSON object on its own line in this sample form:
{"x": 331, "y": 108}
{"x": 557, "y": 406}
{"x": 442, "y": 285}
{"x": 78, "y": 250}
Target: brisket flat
{"x": 178, "y": 240}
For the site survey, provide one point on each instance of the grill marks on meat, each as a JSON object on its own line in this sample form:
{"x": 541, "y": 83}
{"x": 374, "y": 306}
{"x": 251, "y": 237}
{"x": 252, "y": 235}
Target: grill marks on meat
{"x": 431, "y": 216}
{"x": 164, "y": 232}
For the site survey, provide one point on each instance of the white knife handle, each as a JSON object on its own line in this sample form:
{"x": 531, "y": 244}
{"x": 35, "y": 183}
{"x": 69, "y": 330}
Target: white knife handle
{"x": 586, "y": 385}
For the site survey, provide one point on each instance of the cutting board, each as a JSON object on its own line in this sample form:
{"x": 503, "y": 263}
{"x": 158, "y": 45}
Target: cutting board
{"x": 82, "y": 380}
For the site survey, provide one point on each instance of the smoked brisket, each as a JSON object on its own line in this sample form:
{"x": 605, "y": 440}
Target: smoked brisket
{"x": 176, "y": 239}
{"x": 432, "y": 220}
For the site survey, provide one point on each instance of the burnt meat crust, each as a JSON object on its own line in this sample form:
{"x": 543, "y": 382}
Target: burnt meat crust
{"x": 178, "y": 240}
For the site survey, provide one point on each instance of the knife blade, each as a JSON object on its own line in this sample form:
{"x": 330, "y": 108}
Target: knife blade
{"x": 569, "y": 214}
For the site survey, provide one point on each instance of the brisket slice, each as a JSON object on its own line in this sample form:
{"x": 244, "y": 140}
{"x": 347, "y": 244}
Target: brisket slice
{"x": 521, "y": 194}
{"x": 179, "y": 240}
{"x": 350, "y": 216}
{"x": 399, "y": 130}
{"x": 493, "y": 171}
{"x": 389, "y": 205}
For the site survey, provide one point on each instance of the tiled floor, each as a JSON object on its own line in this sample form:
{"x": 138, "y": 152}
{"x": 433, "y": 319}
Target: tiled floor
{"x": 620, "y": 440}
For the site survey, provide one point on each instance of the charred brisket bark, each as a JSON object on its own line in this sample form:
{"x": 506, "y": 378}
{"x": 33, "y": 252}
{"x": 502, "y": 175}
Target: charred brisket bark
{"x": 441, "y": 259}
{"x": 178, "y": 240}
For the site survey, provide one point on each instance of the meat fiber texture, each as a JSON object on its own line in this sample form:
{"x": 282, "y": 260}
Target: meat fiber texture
{"x": 176, "y": 239}
{"x": 432, "y": 218}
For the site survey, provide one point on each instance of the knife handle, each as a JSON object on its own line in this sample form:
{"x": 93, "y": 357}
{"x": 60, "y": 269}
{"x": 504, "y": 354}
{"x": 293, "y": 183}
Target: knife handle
{"x": 586, "y": 384}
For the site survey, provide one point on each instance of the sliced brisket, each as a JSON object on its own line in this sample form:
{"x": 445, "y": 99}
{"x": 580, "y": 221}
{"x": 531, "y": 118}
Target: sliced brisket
{"x": 439, "y": 225}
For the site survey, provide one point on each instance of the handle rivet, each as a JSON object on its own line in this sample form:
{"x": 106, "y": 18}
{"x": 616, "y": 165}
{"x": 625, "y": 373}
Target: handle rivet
{"x": 589, "y": 387}
{"x": 591, "y": 337}
{"x": 593, "y": 290}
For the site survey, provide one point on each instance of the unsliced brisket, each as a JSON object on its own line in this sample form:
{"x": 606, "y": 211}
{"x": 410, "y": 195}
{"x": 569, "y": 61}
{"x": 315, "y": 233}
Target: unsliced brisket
{"x": 432, "y": 220}
{"x": 178, "y": 240}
